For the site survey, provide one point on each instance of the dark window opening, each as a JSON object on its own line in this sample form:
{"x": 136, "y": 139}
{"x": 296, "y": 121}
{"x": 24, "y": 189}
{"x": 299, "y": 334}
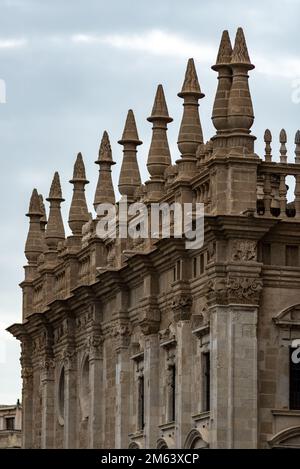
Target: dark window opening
{"x": 294, "y": 381}
{"x": 292, "y": 256}
{"x": 206, "y": 382}
{"x": 266, "y": 254}
{"x": 195, "y": 266}
{"x": 178, "y": 270}
{"x": 172, "y": 393}
{"x": 141, "y": 403}
{"x": 202, "y": 264}
{"x": 10, "y": 423}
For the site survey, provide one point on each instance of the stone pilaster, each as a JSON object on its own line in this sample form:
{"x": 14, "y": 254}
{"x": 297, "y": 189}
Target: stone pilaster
{"x": 27, "y": 394}
{"x": 152, "y": 391}
{"x": 96, "y": 389}
{"x": 70, "y": 400}
{"x": 181, "y": 307}
{"x": 122, "y": 339}
{"x": 48, "y": 413}
{"x": 233, "y": 376}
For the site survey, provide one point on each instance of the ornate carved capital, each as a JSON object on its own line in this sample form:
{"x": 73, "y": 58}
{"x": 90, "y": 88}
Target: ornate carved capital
{"x": 149, "y": 319}
{"x": 215, "y": 291}
{"x": 27, "y": 373}
{"x": 68, "y": 358}
{"x": 244, "y": 289}
{"x": 181, "y": 306}
{"x": 234, "y": 289}
{"x": 121, "y": 332}
{"x": 94, "y": 344}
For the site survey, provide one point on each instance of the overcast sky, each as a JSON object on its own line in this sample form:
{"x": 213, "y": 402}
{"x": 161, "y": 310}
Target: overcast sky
{"x": 73, "y": 68}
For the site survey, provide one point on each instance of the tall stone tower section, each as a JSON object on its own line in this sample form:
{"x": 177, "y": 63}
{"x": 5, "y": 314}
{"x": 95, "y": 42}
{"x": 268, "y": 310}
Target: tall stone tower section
{"x": 234, "y": 284}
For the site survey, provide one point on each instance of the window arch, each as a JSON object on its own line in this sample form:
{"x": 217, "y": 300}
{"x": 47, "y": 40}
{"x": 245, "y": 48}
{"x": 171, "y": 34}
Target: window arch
{"x": 85, "y": 388}
{"x": 194, "y": 440}
{"x": 61, "y": 396}
{"x": 288, "y": 438}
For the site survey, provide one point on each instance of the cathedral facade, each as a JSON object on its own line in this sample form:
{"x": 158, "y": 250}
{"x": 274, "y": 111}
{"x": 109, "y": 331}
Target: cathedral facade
{"x": 143, "y": 343}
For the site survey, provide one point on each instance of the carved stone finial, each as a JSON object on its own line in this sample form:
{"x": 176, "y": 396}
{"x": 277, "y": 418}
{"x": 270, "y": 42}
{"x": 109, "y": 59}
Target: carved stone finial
{"x": 268, "y": 141}
{"x": 190, "y": 132}
{"x": 78, "y": 214}
{"x": 55, "y": 231}
{"x": 130, "y": 177}
{"x": 159, "y": 156}
{"x": 225, "y": 50}
{"x": 283, "y": 149}
{"x": 240, "y": 53}
{"x": 34, "y": 242}
{"x": 104, "y": 191}
{"x": 105, "y": 153}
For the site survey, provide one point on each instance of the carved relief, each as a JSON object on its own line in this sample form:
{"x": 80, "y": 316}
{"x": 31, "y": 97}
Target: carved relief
{"x": 68, "y": 358}
{"x": 244, "y": 251}
{"x": 216, "y": 291}
{"x": 167, "y": 334}
{"x": 244, "y": 289}
{"x": 149, "y": 317}
{"x": 181, "y": 306}
{"x": 121, "y": 332}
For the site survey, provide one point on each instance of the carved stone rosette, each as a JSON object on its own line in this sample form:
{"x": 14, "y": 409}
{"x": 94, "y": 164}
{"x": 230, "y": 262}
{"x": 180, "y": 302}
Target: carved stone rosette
{"x": 181, "y": 306}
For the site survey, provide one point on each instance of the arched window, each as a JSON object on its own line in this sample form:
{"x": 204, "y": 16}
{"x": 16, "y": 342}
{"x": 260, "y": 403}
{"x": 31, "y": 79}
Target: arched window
{"x": 85, "y": 388}
{"x": 194, "y": 440}
{"x": 61, "y": 396}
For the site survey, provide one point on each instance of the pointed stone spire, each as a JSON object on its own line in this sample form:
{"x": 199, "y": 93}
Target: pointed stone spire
{"x": 190, "y": 133}
{"x": 159, "y": 157}
{"x": 240, "y": 110}
{"x": 55, "y": 228}
{"x": 222, "y": 66}
{"x": 240, "y": 52}
{"x": 34, "y": 242}
{"x": 78, "y": 214}
{"x": 44, "y": 216}
{"x": 104, "y": 191}
{"x": 130, "y": 177}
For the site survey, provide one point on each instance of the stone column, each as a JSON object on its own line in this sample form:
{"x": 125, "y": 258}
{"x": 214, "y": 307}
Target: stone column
{"x": 152, "y": 391}
{"x": 27, "y": 394}
{"x": 96, "y": 390}
{"x": 47, "y": 379}
{"x": 70, "y": 401}
{"x": 233, "y": 376}
{"x": 122, "y": 386}
{"x": 183, "y": 381}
